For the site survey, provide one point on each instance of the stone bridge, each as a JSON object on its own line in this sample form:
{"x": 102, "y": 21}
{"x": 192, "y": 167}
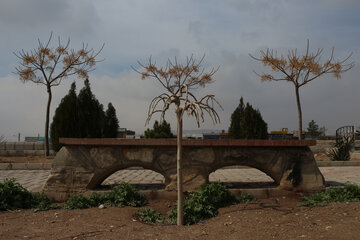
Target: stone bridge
{"x": 83, "y": 164}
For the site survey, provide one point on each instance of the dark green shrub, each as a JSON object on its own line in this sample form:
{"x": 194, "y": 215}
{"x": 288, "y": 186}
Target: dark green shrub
{"x": 149, "y": 215}
{"x": 78, "y": 202}
{"x": 14, "y": 196}
{"x": 82, "y": 202}
{"x": 341, "y": 151}
{"x": 124, "y": 195}
{"x": 247, "y": 123}
{"x": 160, "y": 130}
{"x": 42, "y": 203}
{"x": 217, "y": 195}
{"x": 317, "y": 199}
{"x": 65, "y": 120}
{"x": 111, "y": 123}
{"x": 349, "y": 193}
{"x": 82, "y": 115}
{"x": 245, "y": 198}
{"x": 204, "y": 204}
{"x": 96, "y": 199}
{"x": 195, "y": 210}
{"x": 120, "y": 196}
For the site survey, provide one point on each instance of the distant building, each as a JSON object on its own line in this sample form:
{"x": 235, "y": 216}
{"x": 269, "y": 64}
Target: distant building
{"x": 296, "y": 134}
{"x": 124, "y": 133}
{"x": 283, "y": 134}
{"x": 221, "y": 135}
{"x": 193, "y": 136}
{"x": 35, "y": 139}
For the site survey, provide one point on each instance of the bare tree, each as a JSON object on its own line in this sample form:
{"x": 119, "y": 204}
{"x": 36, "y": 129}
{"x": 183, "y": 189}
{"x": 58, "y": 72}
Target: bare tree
{"x": 179, "y": 80}
{"x": 301, "y": 69}
{"x": 48, "y": 66}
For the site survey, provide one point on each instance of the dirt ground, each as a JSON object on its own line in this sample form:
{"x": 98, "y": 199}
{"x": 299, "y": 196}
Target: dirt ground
{"x": 262, "y": 219}
{"x": 275, "y": 218}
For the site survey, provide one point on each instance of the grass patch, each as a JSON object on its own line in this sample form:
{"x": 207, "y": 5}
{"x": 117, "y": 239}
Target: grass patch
{"x": 120, "y": 196}
{"x": 149, "y": 215}
{"x": 124, "y": 195}
{"x": 14, "y": 196}
{"x": 348, "y": 193}
{"x": 205, "y": 203}
{"x": 78, "y": 202}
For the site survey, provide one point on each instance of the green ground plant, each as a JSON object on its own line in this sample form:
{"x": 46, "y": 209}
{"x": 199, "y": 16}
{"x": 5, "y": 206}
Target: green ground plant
{"x": 14, "y": 196}
{"x": 341, "y": 150}
{"x": 348, "y": 193}
{"x": 125, "y": 195}
{"x": 120, "y": 196}
{"x": 78, "y": 202}
{"x": 149, "y": 215}
{"x": 245, "y": 197}
{"x": 205, "y": 203}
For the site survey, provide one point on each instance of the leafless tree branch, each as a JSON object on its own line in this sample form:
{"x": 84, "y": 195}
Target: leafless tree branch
{"x": 301, "y": 69}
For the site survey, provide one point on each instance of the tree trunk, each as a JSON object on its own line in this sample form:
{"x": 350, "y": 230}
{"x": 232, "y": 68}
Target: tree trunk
{"x": 299, "y": 112}
{"x": 47, "y": 150}
{"x": 180, "y": 200}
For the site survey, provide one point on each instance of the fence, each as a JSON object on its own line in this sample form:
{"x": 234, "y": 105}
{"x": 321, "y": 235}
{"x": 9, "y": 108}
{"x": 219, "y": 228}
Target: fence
{"x": 22, "y": 149}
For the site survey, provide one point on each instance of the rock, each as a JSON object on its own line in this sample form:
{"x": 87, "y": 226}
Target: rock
{"x": 227, "y": 223}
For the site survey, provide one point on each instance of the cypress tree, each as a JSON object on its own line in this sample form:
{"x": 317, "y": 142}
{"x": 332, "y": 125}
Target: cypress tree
{"x": 162, "y": 130}
{"x": 91, "y": 113}
{"x": 235, "y": 124}
{"x": 111, "y": 124}
{"x": 247, "y": 123}
{"x": 82, "y": 116}
{"x": 65, "y": 120}
{"x": 313, "y": 129}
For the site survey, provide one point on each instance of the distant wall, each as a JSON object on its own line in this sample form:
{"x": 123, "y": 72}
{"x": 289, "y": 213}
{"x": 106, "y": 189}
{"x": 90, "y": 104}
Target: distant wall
{"x": 21, "y": 149}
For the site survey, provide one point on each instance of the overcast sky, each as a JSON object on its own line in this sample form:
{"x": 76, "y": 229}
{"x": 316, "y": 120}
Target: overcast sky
{"x": 226, "y": 31}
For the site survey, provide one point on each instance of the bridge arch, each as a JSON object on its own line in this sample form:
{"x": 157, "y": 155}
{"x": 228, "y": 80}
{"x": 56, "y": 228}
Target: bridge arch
{"x": 242, "y": 177}
{"x": 141, "y": 177}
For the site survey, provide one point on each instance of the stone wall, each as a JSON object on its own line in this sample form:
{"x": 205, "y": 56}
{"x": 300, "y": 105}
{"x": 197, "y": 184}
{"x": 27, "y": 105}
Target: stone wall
{"x": 21, "y": 149}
